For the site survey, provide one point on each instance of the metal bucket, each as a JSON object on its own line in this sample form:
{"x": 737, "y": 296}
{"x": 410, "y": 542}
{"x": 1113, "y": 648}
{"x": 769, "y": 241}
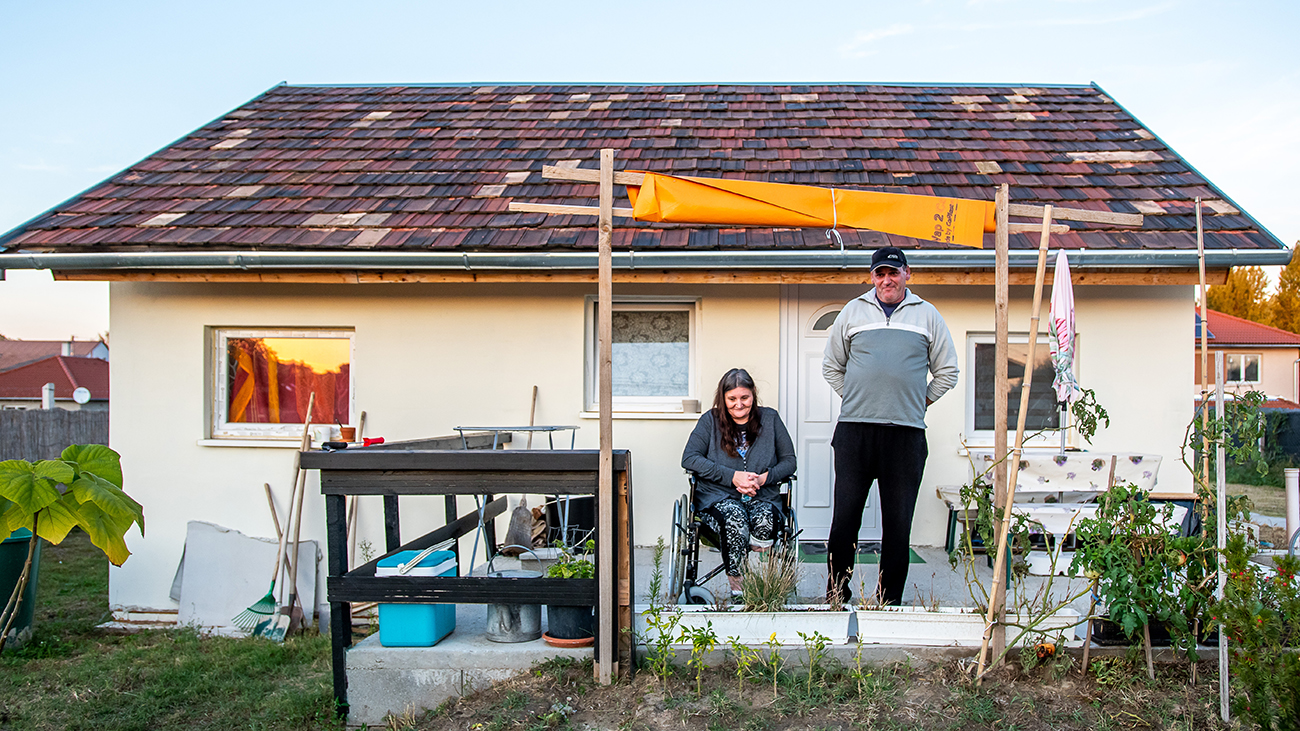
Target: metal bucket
{"x": 513, "y": 622}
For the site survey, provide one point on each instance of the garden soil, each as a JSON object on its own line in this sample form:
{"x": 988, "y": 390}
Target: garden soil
{"x": 1051, "y": 696}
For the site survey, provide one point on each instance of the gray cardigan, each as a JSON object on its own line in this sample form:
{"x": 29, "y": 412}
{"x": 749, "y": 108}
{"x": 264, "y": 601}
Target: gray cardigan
{"x": 773, "y": 453}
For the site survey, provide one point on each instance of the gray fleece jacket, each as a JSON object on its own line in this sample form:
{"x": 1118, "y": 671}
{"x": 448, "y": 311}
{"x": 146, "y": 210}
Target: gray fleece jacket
{"x": 772, "y": 452}
{"x": 879, "y": 364}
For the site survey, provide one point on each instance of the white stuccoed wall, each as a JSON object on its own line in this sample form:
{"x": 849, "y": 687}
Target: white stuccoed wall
{"x": 430, "y": 357}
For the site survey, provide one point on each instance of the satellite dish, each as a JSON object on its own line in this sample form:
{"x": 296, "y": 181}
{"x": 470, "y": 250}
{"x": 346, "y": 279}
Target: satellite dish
{"x": 81, "y": 395}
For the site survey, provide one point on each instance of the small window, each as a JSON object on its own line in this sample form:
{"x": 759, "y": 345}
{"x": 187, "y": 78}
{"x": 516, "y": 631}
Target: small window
{"x": 653, "y": 355}
{"x": 1044, "y": 411}
{"x": 264, "y": 380}
{"x": 825, "y": 321}
{"x": 1242, "y": 368}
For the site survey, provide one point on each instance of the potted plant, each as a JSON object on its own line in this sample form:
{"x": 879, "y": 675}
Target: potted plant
{"x": 570, "y": 625}
{"x": 83, "y": 488}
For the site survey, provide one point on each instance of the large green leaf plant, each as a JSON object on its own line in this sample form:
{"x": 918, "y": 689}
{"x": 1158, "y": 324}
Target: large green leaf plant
{"x": 83, "y": 488}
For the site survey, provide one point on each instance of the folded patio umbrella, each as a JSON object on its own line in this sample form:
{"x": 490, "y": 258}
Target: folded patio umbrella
{"x": 671, "y": 199}
{"x": 1061, "y": 327}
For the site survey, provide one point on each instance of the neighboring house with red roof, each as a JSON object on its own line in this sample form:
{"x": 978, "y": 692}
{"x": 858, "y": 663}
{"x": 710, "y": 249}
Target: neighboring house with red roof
{"x": 1256, "y": 357}
{"x": 356, "y": 242}
{"x": 20, "y": 388}
{"x": 14, "y": 353}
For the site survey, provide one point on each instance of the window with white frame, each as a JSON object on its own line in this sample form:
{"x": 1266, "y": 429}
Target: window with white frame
{"x": 653, "y": 351}
{"x": 1242, "y": 368}
{"x": 263, "y": 380}
{"x": 1044, "y": 412}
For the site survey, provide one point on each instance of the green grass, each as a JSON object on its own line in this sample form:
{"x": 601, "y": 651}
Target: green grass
{"x": 1266, "y": 500}
{"x": 72, "y": 676}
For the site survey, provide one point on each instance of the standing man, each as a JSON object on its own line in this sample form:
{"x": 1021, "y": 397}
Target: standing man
{"x": 880, "y": 349}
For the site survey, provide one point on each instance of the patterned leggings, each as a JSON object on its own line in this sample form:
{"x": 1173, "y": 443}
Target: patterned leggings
{"x": 740, "y": 525}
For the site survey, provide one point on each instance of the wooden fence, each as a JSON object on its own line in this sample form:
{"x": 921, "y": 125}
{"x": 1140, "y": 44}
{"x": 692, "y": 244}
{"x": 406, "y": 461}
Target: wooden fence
{"x": 44, "y": 434}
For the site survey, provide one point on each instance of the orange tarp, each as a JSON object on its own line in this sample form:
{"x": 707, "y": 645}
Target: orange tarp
{"x": 670, "y": 199}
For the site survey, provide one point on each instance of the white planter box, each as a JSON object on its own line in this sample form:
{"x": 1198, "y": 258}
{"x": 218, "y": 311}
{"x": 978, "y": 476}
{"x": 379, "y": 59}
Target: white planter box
{"x": 945, "y": 626}
{"x": 754, "y": 628}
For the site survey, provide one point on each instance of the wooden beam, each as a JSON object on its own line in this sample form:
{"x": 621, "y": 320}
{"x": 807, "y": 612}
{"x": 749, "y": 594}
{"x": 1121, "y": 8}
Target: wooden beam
{"x": 1021, "y": 210}
{"x": 995, "y": 631}
{"x": 606, "y": 641}
{"x": 1031, "y": 228}
{"x": 556, "y": 209}
{"x": 568, "y": 210}
{"x": 1017, "y": 210}
{"x": 590, "y": 176}
{"x": 1082, "y": 277}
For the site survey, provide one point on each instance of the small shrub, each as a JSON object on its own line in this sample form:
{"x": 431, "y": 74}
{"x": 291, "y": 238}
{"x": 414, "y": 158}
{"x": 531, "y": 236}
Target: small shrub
{"x": 1260, "y": 615}
{"x": 769, "y": 585}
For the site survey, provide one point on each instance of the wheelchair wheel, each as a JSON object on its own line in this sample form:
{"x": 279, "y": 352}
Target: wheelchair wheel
{"x": 696, "y": 595}
{"x": 677, "y": 547}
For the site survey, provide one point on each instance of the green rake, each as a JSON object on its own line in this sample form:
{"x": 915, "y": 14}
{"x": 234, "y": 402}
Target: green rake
{"x": 263, "y": 608}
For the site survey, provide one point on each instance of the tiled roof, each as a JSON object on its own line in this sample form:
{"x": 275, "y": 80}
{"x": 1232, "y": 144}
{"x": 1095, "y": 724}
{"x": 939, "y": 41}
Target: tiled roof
{"x": 434, "y": 167}
{"x": 1229, "y": 330}
{"x": 66, "y": 373}
{"x": 14, "y": 353}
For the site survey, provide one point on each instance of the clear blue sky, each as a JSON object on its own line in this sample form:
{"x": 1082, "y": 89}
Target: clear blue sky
{"x": 90, "y": 88}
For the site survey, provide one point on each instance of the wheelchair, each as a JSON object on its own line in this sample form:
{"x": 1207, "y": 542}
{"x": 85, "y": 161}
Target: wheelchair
{"x": 685, "y": 585}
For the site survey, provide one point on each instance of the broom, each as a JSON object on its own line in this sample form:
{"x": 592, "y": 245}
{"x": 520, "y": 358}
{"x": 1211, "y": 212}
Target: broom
{"x": 263, "y": 608}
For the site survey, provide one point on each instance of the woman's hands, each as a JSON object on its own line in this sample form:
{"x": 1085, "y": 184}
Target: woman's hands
{"x": 747, "y": 483}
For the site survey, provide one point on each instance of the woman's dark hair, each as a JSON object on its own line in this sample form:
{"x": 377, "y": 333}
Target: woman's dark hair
{"x": 728, "y": 429}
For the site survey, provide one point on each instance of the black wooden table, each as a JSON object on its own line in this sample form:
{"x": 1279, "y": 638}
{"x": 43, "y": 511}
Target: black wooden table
{"x": 395, "y": 470}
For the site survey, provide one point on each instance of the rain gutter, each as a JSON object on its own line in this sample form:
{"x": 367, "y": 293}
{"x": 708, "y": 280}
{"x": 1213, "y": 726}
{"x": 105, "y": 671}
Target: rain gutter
{"x": 629, "y": 260}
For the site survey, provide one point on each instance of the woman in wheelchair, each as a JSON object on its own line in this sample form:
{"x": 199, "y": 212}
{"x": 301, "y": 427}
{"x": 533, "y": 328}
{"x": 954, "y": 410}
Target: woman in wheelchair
{"x": 739, "y": 451}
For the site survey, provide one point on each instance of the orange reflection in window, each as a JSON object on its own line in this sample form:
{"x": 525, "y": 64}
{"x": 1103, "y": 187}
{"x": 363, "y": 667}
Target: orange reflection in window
{"x": 270, "y": 380}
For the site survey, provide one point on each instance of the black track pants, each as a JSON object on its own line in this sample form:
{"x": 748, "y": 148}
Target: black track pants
{"x": 894, "y": 456}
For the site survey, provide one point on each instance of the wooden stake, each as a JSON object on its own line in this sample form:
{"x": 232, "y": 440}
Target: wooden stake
{"x": 1087, "y": 637}
{"x": 1205, "y": 385}
{"x": 1221, "y": 520}
{"x": 1013, "y": 470}
{"x": 1146, "y": 646}
{"x": 995, "y": 631}
{"x": 606, "y": 641}
{"x": 532, "y": 417}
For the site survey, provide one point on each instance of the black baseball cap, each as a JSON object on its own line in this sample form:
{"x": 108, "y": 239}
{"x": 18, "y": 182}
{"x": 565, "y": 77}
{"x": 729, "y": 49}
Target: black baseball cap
{"x": 888, "y": 256}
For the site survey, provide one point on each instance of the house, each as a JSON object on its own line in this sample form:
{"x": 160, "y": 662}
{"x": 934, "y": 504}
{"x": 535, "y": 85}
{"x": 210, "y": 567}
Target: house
{"x": 362, "y": 233}
{"x": 14, "y": 353}
{"x": 20, "y": 388}
{"x": 1256, "y": 357}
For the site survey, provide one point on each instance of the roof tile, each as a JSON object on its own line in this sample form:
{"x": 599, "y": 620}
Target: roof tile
{"x": 315, "y": 167}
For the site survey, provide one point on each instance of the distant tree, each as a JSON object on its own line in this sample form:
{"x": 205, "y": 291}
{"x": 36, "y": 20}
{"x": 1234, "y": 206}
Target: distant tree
{"x": 1245, "y": 294}
{"x": 1284, "y": 307}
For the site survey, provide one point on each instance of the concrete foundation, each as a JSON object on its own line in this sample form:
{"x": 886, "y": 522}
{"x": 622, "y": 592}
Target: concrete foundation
{"x": 395, "y": 680}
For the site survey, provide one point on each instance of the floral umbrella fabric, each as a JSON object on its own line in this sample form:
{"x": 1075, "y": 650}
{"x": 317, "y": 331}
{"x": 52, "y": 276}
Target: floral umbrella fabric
{"x": 1061, "y": 328}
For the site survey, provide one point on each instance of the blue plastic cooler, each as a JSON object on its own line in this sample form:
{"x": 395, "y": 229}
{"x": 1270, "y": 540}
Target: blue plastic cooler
{"x": 416, "y": 625}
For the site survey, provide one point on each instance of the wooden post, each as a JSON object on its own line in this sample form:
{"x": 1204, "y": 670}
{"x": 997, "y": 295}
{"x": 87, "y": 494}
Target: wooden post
{"x": 994, "y": 631}
{"x": 606, "y": 641}
{"x": 1205, "y": 389}
{"x": 1221, "y": 525}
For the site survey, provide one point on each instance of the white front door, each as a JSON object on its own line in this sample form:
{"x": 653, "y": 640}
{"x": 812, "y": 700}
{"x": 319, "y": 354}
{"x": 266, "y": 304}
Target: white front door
{"x": 814, "y": 408}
